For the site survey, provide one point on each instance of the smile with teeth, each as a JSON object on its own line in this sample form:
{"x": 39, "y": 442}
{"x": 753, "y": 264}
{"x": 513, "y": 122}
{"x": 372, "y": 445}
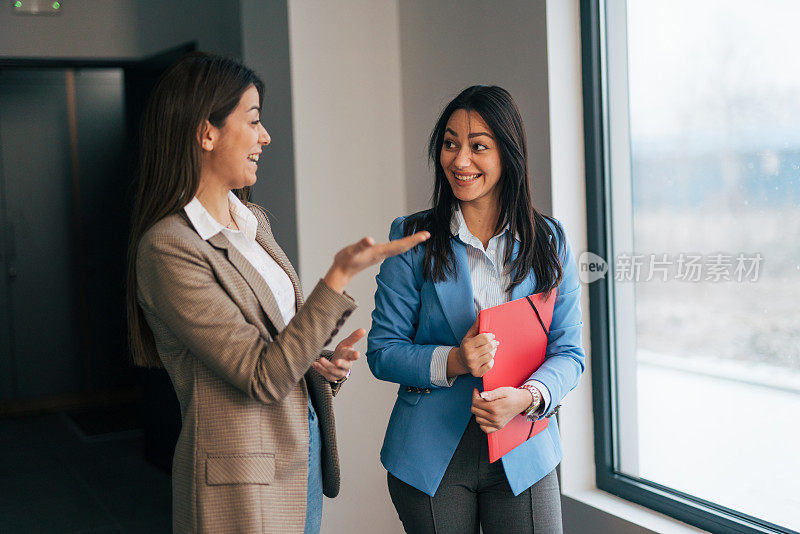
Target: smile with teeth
{"x": 467, "y": 177}
{"x": 253, "y": 158}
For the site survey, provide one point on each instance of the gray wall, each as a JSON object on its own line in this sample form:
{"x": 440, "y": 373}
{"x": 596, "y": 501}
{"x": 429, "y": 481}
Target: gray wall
{"x": 448, "y": 45}
{"x": 265, "y": 49}
{"x": 121, "y": 29}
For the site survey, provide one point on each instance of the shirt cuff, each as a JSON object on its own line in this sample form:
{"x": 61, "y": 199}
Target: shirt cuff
{"x": 439, "y": 367}
{"x": 545, "y": 405}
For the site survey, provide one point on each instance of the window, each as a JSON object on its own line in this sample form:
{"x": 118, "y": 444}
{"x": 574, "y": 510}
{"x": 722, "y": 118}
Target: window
{"x": 692, "y": 124}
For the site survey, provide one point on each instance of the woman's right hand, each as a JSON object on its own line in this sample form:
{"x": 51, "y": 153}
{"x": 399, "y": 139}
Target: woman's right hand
{"x": 355, "y": 258}
{"x": 475, "y": 355}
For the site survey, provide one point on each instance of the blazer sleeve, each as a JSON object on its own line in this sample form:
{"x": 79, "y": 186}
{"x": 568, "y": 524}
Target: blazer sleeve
{"x": 391, "y": 352}
{"x": 177, "y": 286}
{"x": 564, "y": 357}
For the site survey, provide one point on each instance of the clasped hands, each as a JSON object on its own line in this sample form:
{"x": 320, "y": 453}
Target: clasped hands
{"x": 495, "y": 408}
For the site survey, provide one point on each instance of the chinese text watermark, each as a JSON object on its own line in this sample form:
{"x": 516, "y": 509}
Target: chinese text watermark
{"x": 682, "y": 267}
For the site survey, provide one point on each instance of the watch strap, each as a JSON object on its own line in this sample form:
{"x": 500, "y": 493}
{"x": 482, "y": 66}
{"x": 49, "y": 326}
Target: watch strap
{"x": 536, "y": 398}
{"x": 341, "y": 380}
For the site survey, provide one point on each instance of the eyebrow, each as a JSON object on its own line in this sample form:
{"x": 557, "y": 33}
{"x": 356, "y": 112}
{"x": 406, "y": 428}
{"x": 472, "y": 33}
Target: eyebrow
{"x": 257, "y": 108}
{"x": 474, "y": 134}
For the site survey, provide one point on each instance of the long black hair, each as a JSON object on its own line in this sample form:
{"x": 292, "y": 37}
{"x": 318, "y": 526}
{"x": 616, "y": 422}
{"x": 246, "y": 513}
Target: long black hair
{"x": 200, "y": 87}
{"x": 538, "y": 248}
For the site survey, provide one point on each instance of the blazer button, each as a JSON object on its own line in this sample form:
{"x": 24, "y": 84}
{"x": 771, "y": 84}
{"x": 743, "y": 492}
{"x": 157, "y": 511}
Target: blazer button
{"x": 427, "y": 390}
{"x": 347, "y": 313}
{"x": 408, "y": 389}
{"x": 335, "y": 331}
{"x": 340, "y": 322}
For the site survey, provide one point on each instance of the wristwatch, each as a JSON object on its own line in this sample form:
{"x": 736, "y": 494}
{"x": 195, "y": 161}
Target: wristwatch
{"x": 537, "y": 399}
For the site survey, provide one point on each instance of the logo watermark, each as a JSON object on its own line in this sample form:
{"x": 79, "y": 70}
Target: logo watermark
{"x": 591, "y": 267}
{"x": 682, "y": 267}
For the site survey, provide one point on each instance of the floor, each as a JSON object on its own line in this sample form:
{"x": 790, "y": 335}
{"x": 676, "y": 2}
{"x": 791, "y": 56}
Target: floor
{"x": 55, "y": 479}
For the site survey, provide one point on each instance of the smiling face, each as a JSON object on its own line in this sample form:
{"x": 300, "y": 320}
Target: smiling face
{"x": 470, "y": 158}
{"x": 232, "y": 152}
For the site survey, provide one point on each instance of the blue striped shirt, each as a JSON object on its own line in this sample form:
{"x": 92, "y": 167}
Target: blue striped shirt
{"x": 489, "y": 279}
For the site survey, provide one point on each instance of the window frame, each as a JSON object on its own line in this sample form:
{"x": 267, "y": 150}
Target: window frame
{"x": 682, "y": 506}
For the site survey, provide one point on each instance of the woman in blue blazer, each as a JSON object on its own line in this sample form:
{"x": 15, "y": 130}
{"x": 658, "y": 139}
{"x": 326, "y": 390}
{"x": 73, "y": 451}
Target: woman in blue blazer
{"x": 488, "y": 246}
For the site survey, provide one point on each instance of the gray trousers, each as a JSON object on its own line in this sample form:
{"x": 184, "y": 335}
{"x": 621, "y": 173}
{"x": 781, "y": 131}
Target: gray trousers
{"x": 475, "y": 494}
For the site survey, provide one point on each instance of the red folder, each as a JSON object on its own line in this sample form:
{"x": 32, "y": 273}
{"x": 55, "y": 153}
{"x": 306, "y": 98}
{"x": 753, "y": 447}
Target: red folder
{"x": 521, "y": 326}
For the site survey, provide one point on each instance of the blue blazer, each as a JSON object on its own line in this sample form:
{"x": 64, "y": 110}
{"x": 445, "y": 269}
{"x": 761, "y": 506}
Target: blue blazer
{"x": 412, "y": 317}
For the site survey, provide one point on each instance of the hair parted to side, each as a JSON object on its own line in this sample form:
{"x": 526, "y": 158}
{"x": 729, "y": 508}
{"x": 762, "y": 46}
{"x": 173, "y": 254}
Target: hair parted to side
{"x": 538, "y": 248}
{"x": 200, "y": 87}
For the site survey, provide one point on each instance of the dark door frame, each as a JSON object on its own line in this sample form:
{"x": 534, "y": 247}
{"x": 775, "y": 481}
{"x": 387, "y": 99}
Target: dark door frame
{"x": 161, "y": 59}
{"x": 148, "y": 68}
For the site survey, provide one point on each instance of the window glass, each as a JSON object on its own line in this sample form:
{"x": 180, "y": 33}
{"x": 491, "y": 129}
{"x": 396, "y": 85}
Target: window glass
{"x": 704, "y": 113}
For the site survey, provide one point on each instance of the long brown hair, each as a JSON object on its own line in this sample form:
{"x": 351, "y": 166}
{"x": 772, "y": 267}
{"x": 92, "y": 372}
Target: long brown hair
{"x": 200, "y": 87}
{"x": 538, "y": 248}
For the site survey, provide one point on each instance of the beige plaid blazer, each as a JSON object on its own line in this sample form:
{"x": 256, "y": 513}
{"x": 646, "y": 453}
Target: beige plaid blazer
{"x": 242, "y": 378}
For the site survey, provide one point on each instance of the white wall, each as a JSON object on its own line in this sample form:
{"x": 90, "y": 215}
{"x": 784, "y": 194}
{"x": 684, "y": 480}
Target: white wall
{"x": 569, "y": 206}
{"x": 350, "y": 183}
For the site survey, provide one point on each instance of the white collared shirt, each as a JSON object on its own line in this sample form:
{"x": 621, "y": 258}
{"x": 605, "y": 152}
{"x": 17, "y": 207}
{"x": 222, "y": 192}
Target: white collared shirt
{"x": 245, "y": 242}
{"x": 489, "y": 279}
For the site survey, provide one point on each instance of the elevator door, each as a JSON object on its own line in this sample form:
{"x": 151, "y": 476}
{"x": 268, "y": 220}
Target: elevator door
{"x": 64, "y": 219}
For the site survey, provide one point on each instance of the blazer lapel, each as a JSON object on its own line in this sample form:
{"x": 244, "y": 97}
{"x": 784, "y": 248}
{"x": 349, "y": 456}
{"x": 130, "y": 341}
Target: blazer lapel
{"x": 267, "y": 241}
{"x": 455, "y": 294}
{"x": 253, "y": 278}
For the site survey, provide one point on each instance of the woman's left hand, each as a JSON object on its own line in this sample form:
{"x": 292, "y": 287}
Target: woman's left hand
{"x": 342, "y": 358}
{"x": 495, "y": 408}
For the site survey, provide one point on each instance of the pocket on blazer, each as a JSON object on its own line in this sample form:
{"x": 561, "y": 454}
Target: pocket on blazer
{"x": 411, "y": 396}
{"x": 257, "y": 468}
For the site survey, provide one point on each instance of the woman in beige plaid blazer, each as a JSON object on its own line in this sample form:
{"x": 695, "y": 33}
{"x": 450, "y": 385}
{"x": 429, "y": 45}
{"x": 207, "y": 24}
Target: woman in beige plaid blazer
{"x": 213, "y": 299}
